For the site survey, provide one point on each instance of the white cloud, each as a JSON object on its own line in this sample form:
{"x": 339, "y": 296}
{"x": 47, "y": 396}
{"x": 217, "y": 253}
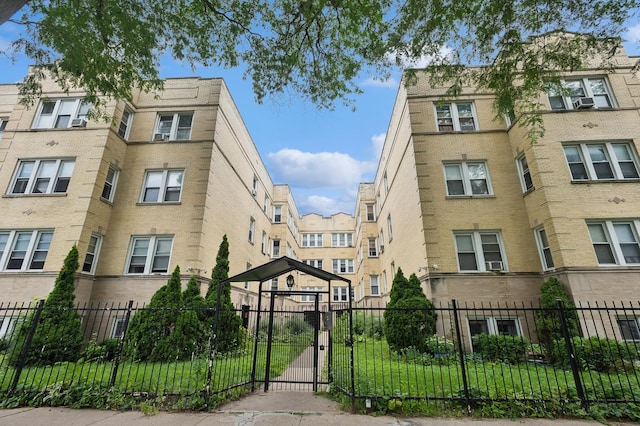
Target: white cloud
{"x": 633, "y": 34}
{"x": 378, "y": 143}
{"x": 390, "y": 83}
{"x": 317, "y": 170}
{"x": 445, "y": 53}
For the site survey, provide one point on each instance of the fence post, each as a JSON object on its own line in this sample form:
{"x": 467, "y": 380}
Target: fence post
{"x": 116, "y": 362}
{"x": 26, "y": 347}
{"x": 463, "y": 368}
{"x": 572, "y": 357}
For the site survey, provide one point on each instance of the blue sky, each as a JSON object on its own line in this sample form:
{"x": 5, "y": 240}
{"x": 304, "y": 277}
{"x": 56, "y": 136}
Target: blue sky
{"x": 322, "y": 155}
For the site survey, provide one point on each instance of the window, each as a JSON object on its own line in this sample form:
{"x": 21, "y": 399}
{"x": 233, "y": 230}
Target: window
{"x": 91, "y": 258}
{"x": 8, "y": 325}
{"x": 254, "y": 186}
{"x": 173, "y": 127}
{"x": 265, "y": 204}
{"x": 118, "y": 327}
{"x": 162, "y": 186}
{"x": 629, "y": 328}
{"x": 456, "y": 117}
{"x": 274, "y": 284}
{"x": 525, "y": 174}
{"x": 571, "y": 92}
{"x": 277, "y": 214}
{"x": 389, "y": 227}
{"x": 386, "y": 183}
{"x": 602, "y": 161}
{"x": 374, "y": 285}
{"x": 109, "y": 188}
{"x": 252, "y": 229}
{"x": 149, "y": 255}
{"x": 3, "y": 125}
{"x": 312, "y": 296}
{"x": 275, "y": 249}
{"x": 316, "y": 263}
{"x": 543, "y": 249}
{"x": 494, "y": 325}
{"x": 373, "y": 247}
{"x": 342, "y": 239}
{"x": 24, "y": 250}
{"x": 339, "y": 294}
{"x": 125, "y": 123}
{"x": 42, "y": 177}
{"x": 467, "y": 178}
{"x": 371, "y": 212}
{"x": 263, "y": 247}
{"x": 311, "y": 240}
{"x": 616, "y": 243}
{"x": 343, "y": 266}
{"x": 479, "y": 251}
{"x": 61, "y": 114}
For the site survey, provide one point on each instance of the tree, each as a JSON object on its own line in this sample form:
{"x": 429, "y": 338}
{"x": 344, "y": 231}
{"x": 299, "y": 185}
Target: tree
{"x": 225, "y": 321}
{"x": 319, "y": 48}
{"x": 58, "y": 334}
{"x": 410, "y": 317}
{"x": 548, "y": 317}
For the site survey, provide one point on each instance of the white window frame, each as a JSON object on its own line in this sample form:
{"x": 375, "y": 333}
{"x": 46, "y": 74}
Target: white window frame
{"x": 33, "y": 244}
{"x": 370, "y": 212}
{"x": 316, "y": 263}
{"x": 152, "y": 252}
{"x": 312, "y": 296}
{"x": 372, "y": 247}
{"x": 482, "y": 264}
{"x": 311, "y": 240}
{"x": 275, "y": 248}
{"x": 164, "y": 188}
{"x": 342, "y": 239}
{"x": 252, "y": 229}
{"x": 124, "y": 126}
{"x": 386, "y": 183}
{"x": 610, "y": 238}
{"x": 277, "y": 214}
{"x": 564, "y": 101}
{"x": 465, "y": 177}
{"x": 263, "y": 247}
{"x": 633, "y": 327}
{"x": 110, "y": 182}
{"x": 342, "y": 266}
{"x": 588, "y": 166}
{"x": 117, "y": 325}
{"x": 3, "y": 125}
{"x": 75, "y": 107}
{"x": 265, "y": 204}
{"x": 93, "y": 251}
{"x": 389, "y": 228}
{"x": 61, "y": 173}
{"x": 453, "y": 117}
{"x": 8, "y": 325}
{"x": 544, "y": 251}
{"x": 274, "y": 284}
{"x": 524, "y": 172}
{"x": 339, "y": 294}
{"x": 374, "y": 285}
{"x": 174, "y": 132}
{"x": 492, "y": 325}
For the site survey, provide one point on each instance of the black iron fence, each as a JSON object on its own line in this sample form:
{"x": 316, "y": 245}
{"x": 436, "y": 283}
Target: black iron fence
{"x": 479, "y": 355}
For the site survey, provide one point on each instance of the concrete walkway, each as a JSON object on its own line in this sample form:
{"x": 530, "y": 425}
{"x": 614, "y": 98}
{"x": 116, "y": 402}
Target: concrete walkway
{"x": 302, "y": 368}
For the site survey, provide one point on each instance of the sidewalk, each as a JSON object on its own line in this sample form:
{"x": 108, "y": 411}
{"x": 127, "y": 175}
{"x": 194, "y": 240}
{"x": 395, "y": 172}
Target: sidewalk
{"x": 259, "y": 409}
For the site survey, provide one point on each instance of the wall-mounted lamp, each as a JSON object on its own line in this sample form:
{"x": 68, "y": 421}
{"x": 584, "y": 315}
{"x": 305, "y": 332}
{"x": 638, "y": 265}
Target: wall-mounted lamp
{"x": 290, "y": 282}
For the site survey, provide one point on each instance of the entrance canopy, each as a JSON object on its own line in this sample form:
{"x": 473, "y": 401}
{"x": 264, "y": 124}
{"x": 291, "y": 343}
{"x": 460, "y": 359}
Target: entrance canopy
{"x": 280, "y": 266}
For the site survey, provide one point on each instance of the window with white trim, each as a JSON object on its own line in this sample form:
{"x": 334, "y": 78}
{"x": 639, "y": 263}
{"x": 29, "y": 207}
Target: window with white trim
{"x": 629, "y": 329}
{"x": 275, "y": 248}
{"x": 24, "y": 250}
{"x": 274, "y": 284}
{"x": 602, "y": 161}
{"x": 91, "y": 258}
{"x": 118, "y": 327}
{"x": 525, "y": 175}
{"x": 109, "y": 188}
{"x": 254, "y": 186}
{"x": 149, "y": 255}
{"x": 125, "y": 123}
{"x": 543, "y": 248}
{"x": 374, "y": 285}
{"x": 316, "y": 263}
{"x": 263, "y": 247}
{"x": 480, "y": 251}
{"x": 342, "y": 239}
{"x": 371, "y": 212}
{"x": 311, "y": 240}
{"x": 252, "y": 229}
{"x": 373, "y": 247}
{"x": 581, "y": 93}
{"x": 277, "y": 214}
{"x": 494, "y": 326}
{"x": 458, "y": 116}
{"x": 467, "y": 178}
{"x": 61, "y": 114}
{"x": 616, "y": 242}
{"x": 339, "y": 294}
{"x": 162, "y": 186}
{"x": 342, "y": 266}
{"x": 42, "y": 176}
{"x": 386, "y": 183}
{"x": 265, "y": 204}
{"x": 173, "y": 126}
{"x": 389, "y": 227}
{"x": 311, "y": 297}
{"x": 8, "y": 325}
{"x": 3, "y": 125}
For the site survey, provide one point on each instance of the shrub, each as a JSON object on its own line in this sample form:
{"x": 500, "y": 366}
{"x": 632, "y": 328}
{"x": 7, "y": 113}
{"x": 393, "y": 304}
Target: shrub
{"x": 296, "y": 326}
{"x": 439, "y": 345}
{"x": 102, "y": 351}
{"x": 510, "y": 349}
{"x": 548, "y": 319}
{"x": 367, "y": 324}
{"x": 594, "y": 353}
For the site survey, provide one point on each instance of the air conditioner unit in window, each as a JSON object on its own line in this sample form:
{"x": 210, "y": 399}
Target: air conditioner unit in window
{"x": 78, "y": 122}
{"x": 495, "y": 265}
{"x": 160, "y": 137}
{"x": 583, "y": 103}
